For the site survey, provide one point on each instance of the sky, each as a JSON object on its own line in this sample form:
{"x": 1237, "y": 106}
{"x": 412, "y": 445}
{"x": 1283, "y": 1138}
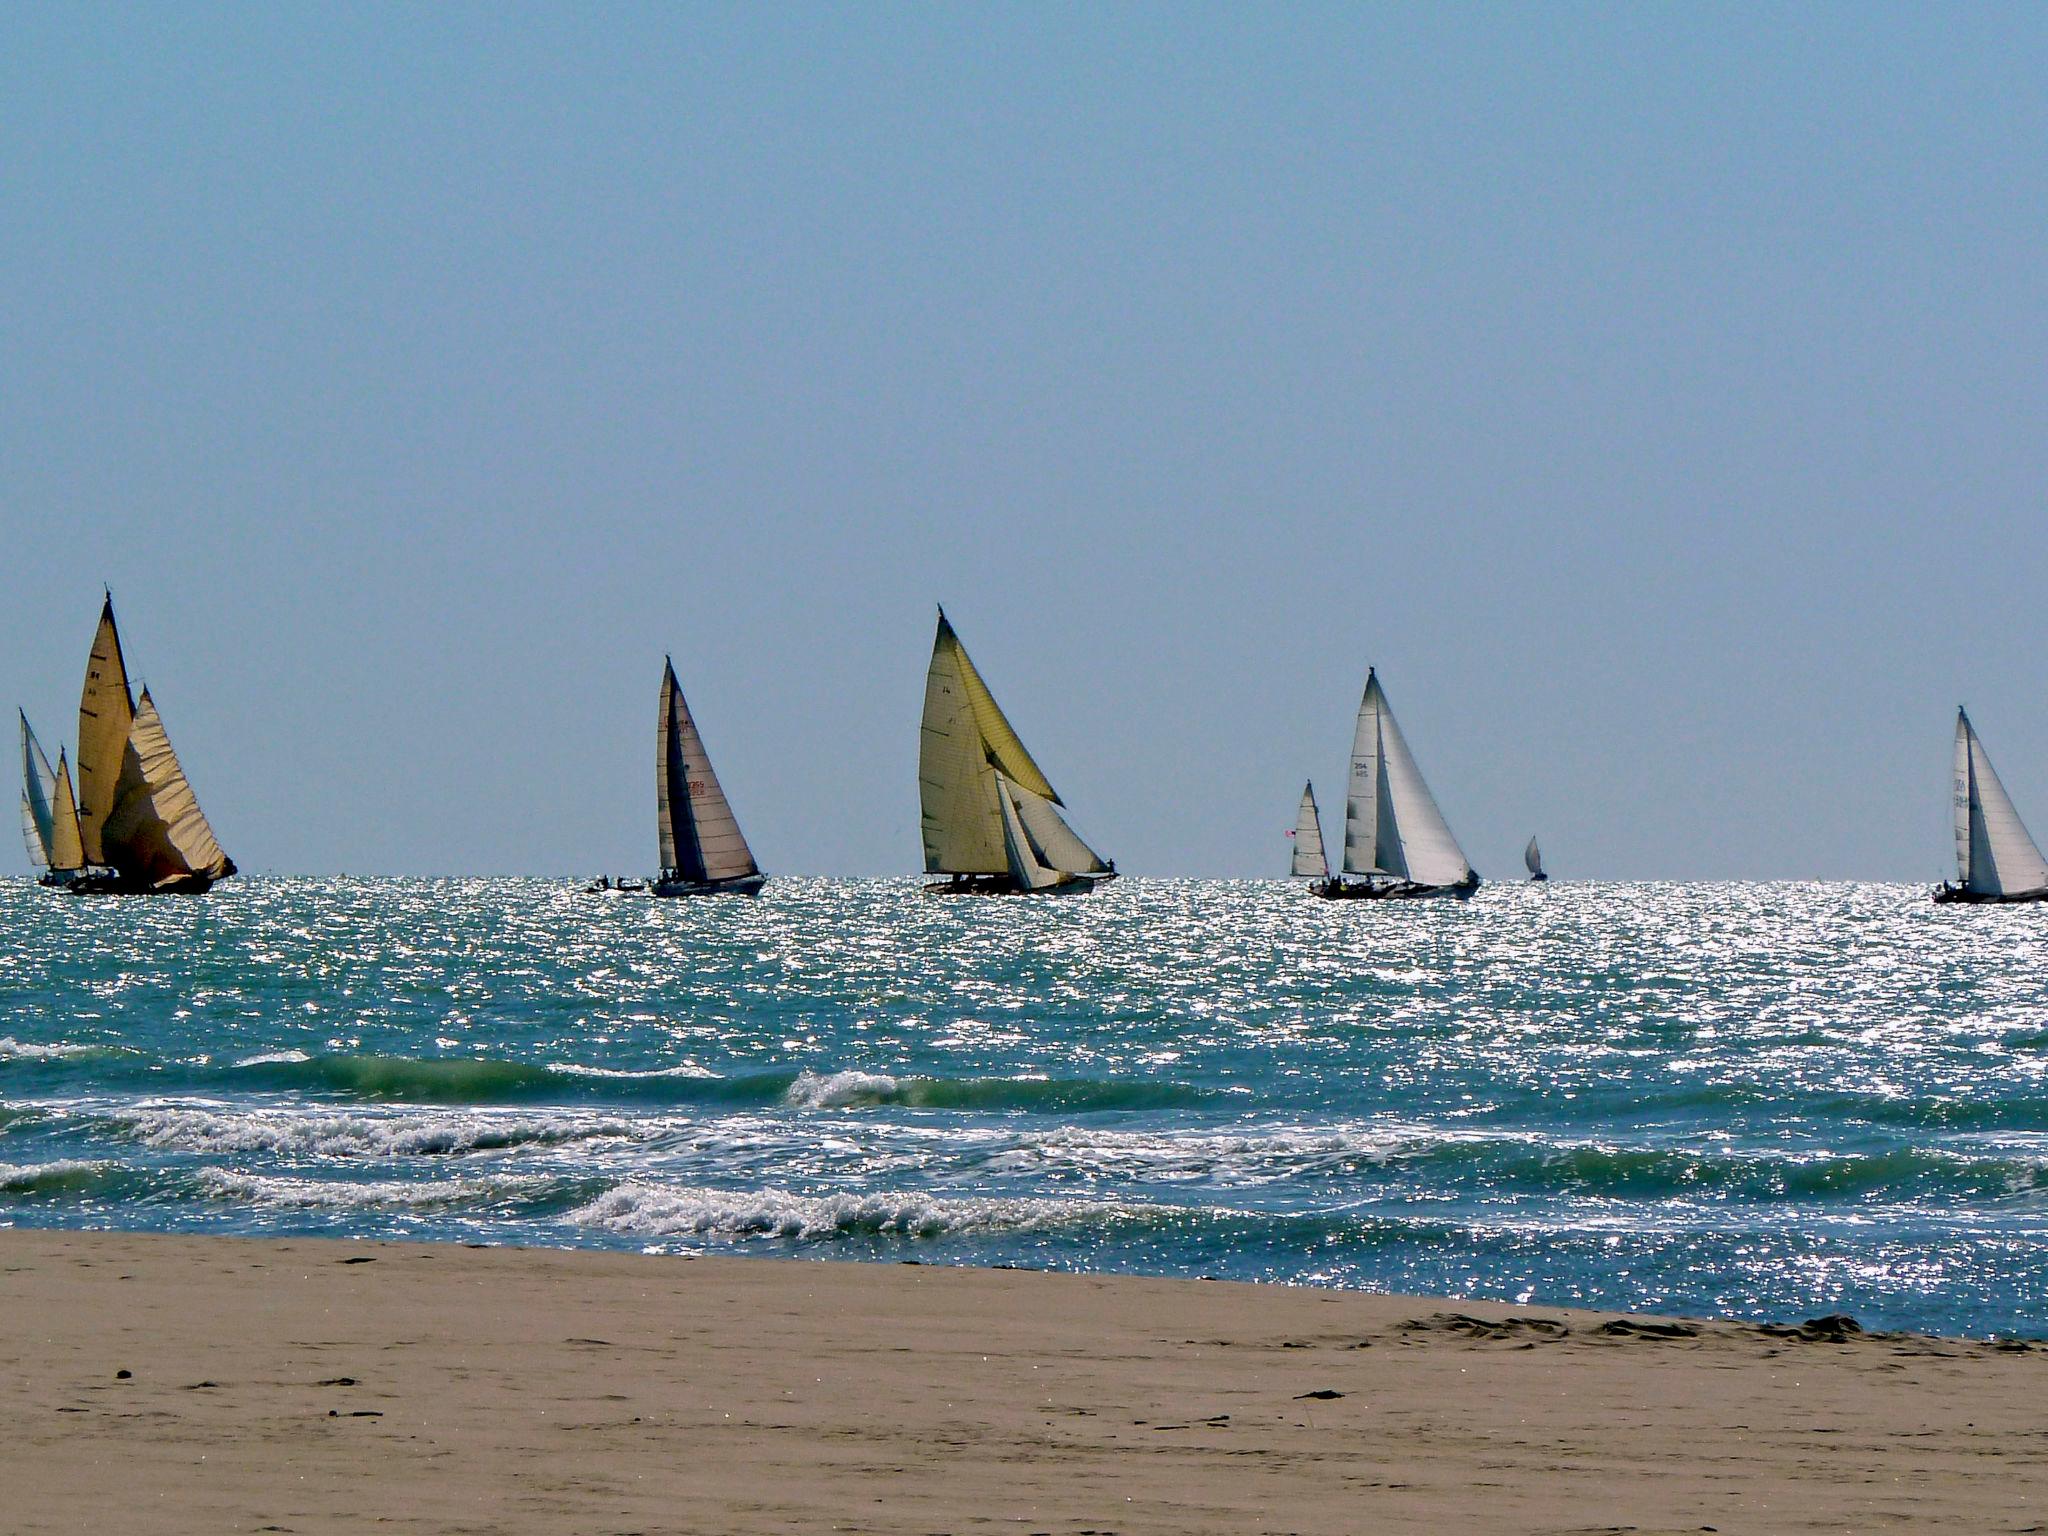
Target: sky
{"x": 1655, "y": 395}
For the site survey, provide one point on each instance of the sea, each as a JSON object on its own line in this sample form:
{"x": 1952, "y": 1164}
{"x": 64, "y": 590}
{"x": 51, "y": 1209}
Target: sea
{"x": 1765, "y": 1101}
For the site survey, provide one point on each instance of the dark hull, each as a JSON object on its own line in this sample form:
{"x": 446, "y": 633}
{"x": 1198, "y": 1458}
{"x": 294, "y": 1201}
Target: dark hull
{"x": 1947, "y": 894}
{"x": 744, "y": 885}
{"x": 1009, "y": 885}
{"x": 1539, "y": 879}
{"x": 1337, "y": 888}
{"x": 107, "y": 882}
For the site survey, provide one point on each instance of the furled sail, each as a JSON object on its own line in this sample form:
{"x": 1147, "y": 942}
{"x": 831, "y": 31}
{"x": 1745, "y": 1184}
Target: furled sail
{"x": 1392, "y": 825}
{"x": 1994, "y": 853}
{"x": 700, "y": 837}
{"x": 38, "y": 798}
{"x": 105, "y": 712}
{"x": 155, "y": 832}
{"x": 1532, "y": 858}
{"x": 981, "y": 795}
{"x": 1309, "y": 858}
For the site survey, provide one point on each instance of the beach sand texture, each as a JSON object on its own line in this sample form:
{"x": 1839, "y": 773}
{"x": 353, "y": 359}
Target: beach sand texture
{"x": 304, "y": 1385}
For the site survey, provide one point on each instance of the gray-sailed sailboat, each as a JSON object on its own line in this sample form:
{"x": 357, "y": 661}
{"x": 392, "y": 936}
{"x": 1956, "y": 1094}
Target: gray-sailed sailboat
{"x": 1310, "y": 862}
{"x": 1396, "y": 842}
{"x": 703, "y": 852}
{"x": 134, "y": 826}
{"x": 1532, "y": 860}
{"x": 1996, "y": 860}
{"x": 991, "y": 820}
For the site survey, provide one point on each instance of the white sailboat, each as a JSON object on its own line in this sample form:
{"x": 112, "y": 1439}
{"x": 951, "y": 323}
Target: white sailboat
{"x": 49, "y": 812}
{"x": 1996, "y": 859}
{"x": 1396, "y": 842}
{"x": 990, "y": 819}
{"x": 1532, "y": 860}
{"x": 1310, "y": 862}
{"x": 134, "y": 825}
{"x": 703, "y": 851}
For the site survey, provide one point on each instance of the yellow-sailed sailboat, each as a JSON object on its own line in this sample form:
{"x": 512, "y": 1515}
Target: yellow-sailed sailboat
{"x": 134, "y": 825}
{"x": 991, "y": 820}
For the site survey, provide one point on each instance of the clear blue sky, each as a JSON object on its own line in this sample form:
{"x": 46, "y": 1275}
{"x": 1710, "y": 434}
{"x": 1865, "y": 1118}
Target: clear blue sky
{"x": 1659, "y": 396}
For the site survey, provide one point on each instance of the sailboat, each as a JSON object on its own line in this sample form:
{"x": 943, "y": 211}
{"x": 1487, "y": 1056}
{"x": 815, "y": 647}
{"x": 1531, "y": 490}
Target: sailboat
{"x": 703, "y": 851}
{"x": 1309, "y": 859}
{"x": 134, "y": 825}
{"x": 1996, "y": 860}
{"x": 1395, "y": 839}
{"x": 991, "y": 820}
{"x": 1532, "y": 859}
{"x": 49, "y": 812}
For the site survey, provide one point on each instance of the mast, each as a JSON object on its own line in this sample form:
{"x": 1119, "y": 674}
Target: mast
{"x": 700, "y": 837}
{"x": 1309, "y": 858}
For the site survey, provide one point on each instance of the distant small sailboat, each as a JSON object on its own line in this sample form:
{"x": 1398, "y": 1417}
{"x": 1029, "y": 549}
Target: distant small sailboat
{"x": 1395, "y": 839}
{"x": 1532, "y": 858}
{"x": 1309, "y": 859}
{"x": 990, "y": 819}
{"x": 1996, "y": 859}
{"x": 134, "y": 826}
{"x": 703, "y": 852}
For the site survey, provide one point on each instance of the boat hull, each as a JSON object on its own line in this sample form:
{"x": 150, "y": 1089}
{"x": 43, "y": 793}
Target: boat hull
{"x": 1337, "y": 888}
{"x": 1010, "y": 885}
{"x": 743, "y": 885}
{"x": 1945, "y": 895}
{"x": 108, "y": 882}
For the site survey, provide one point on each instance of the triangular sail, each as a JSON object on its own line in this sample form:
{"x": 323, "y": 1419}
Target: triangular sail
{"x": 106, "y": 710}
{"x": 700, "y": 837}
{"x": 965, "y": 744}
{"x": 1309, "y": 858}
{"x": 1029, "y": 863}
{"x": 155, "y": 831}
{"x": 66, "y": 851}
{"x": 38, "y": 799}
{"x": 1994, "y": 853}
{"x": 1391, "y": 822}
{"x": 1532, "y": 858}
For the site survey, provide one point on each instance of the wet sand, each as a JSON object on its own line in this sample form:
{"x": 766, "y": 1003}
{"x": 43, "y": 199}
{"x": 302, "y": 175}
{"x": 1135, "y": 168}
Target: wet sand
{"x": 312, "y": 1386}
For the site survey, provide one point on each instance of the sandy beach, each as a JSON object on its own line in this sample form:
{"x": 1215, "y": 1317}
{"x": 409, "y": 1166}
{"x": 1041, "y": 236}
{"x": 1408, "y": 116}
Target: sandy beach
{"x": 211, "y": 1384}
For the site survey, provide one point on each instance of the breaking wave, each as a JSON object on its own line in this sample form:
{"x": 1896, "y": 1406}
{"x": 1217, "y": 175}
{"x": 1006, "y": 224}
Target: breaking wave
{"x": 641, "y": 1209}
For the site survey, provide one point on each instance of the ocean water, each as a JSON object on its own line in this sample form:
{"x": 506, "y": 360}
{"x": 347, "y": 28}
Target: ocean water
{"x": 1764, "y": 1101}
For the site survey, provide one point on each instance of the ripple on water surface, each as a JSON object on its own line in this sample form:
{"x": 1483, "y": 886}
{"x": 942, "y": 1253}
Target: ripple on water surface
{"x": 1757, "y": 1099}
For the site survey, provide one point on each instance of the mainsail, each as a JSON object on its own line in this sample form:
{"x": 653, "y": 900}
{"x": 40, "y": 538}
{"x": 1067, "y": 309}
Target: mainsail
{"x": 1994, "y": 853}
{"x": 987, "y": 808}
{"x": 66, "y": 852}
{"x": 700, "y": 836}
{"x": 105, "y": 713}
{"x": 1532, "y": 858}
{"x": 1392, "y": 826}
{"x": 1309, "y": 858}
{"x": 38, "y": 798}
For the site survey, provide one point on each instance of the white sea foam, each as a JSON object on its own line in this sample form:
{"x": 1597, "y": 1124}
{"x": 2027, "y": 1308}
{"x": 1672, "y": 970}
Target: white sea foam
{"x": 837, "y": 1090}
{"x": 687, "y": 1069}
{"x": 25, "y": 1176}
{"x": 272, "y": 1191}
{"x": 361, "y": 1134}
{"x": 653, "y": 1210}
{"x": 12, "y": 1049}
{"x": 267, "y": 1058}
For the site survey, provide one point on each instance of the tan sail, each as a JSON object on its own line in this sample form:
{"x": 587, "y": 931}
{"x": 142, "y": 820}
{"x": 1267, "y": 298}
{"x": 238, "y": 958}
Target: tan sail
{"x": 156, "y": 832}
{"x": 67, "y": 852}
{"x": 106, "y": 710}
{"x": 700, "y": 837}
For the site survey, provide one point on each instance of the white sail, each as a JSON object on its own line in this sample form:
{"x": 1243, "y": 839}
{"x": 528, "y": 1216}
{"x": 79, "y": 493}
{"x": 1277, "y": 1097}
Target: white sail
{"x": 1027, "y": 861}
{"x": 1058, "y": 842}
{"x": 1994, "y": 853}
{"x": 38, "y": 798}
{"x": 1392, "y": 825}
{"x": 1309, "y": 858}
{"x": 1532, "y": 858}
{"x": 700, "y": 836}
